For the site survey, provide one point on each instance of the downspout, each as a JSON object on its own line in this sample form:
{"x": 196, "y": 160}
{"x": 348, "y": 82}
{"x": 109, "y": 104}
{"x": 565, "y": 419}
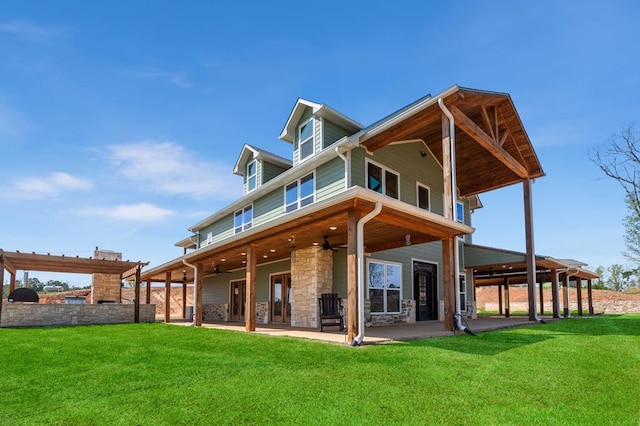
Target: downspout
{"x": 454, "y": 200}
{"x": 360, "y": 259}
{"x": 195, "y": 292}
{"x": 347, "y": 166}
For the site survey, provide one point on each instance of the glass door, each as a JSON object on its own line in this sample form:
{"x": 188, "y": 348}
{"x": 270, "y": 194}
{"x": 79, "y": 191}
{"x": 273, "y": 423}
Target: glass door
{"x": 237, "y": 301}
{"x": 281, "y": 297}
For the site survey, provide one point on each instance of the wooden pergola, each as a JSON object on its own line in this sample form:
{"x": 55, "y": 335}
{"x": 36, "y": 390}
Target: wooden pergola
{"x": 17, "y": 261}
{"x": 548, "y": 270}
{"x": 491, "y": 150}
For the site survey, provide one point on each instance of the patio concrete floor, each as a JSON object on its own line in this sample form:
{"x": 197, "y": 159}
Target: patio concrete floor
{"x": 373, "y": 335}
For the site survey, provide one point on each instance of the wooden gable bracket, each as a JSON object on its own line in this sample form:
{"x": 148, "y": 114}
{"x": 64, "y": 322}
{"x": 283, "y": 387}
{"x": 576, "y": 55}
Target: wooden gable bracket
{"x": 487, "y": 142}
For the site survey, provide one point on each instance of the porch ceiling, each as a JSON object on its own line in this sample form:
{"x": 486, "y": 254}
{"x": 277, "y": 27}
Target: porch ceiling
{"x": 275, "y": 242}
{"x": 492, "y": 146}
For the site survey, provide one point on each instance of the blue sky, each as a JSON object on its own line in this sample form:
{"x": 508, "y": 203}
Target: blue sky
{"x": 120, "y": 122}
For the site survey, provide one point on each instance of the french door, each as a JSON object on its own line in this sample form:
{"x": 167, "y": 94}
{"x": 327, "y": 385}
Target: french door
{"x": 237, "y": 300}
{"x": 281, "y": 298}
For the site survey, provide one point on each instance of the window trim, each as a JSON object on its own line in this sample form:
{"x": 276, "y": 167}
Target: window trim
{"x": 462, "y": 278}
{"x": 384, "y": 169}
{"x": 255, "y": 175}
{"x": 243, "y": 225}
{"x": 422, "y": 185}
{"x": 385, "y": 263}
{"x": 312, "y": 138}
{"x": 297, "y": 204}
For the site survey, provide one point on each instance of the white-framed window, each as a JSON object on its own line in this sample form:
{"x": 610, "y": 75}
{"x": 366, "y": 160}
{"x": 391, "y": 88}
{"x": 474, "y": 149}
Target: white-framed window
{"x": 423, "y": 194}
{"x": 208, "y": 241}
{"x": 383, "y": 180}
{"x": 384, "y": 280}
{"x": 460, "y": 212}
{"x": 252, "y": 175}
{"x": 306, "y": 145}
{"x": 299, "y": 193}
{"x": 243, "y": 219}
{"x": 462, "y": 289}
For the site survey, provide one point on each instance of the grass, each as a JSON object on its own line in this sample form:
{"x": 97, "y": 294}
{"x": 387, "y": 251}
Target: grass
{"x": 578, "y": 371}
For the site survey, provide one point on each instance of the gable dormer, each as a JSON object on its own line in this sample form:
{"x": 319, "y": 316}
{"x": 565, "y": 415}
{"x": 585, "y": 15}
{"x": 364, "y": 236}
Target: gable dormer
{"x": 258, "y": 167}
{"x": 312, "y": 127}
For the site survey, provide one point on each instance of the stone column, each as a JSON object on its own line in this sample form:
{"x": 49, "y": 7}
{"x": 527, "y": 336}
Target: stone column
{"x": 311, "y": 275}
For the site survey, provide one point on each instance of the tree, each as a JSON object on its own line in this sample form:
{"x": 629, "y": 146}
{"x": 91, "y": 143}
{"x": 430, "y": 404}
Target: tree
{"x": 619, "y": 159}
{"x": 618, "y": 278}
{"x": 599, "y": 283}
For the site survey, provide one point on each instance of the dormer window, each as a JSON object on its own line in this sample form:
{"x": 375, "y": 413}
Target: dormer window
{"x": 306, "y": 146}
{"x": 252, "y": 174}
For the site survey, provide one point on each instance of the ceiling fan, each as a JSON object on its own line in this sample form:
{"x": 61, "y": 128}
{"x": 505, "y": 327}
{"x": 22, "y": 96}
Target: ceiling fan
{"x": 327, "y": 246}
{"x": 217, "y": 271}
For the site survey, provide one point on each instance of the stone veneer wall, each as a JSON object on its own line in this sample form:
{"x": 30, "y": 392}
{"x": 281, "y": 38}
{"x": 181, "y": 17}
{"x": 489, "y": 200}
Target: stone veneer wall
{"x": 215, "y": 312}
{"x": 311, "y": 275}
{"x": 407, "y": 316}
{"x": 106, "y": 287}
{"x": 35, "y": 315}
{"x": 262, "y": 312}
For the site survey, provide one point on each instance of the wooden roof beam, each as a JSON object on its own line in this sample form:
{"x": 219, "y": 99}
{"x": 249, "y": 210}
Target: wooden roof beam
{"x": 8, "y": 265}
{"x": 479, "y": 135}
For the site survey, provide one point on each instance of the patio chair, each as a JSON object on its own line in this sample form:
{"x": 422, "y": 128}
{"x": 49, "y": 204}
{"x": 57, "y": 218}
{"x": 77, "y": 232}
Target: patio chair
{"x": 330, "y": 311}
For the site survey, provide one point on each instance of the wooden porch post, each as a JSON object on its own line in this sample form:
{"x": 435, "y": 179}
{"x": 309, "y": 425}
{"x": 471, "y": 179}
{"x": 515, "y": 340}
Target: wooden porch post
{"x": 148, "y": 295}
{"x": 136, "y": 300}
{"x": 184, "y": 300}
{"x": 1, "y": 281}
{"x": 449, "y": 281}
{"x": 198, "y": 293}
{"x": 500, "y": 310}
{"x": 250, "y": 310}
{"x": 167, "y": 297}
{"x": 555, "y": 302}
{"x": 590, "y": 296}
{"x": 565, "y": 294}
{"x": 507, "y": 303}
{"x": 541, "y": 291}
{"x": 352, "y": 274}
{"x": 12, "y": 281}
{"x": 531, "y": 255}
{"x": 579, "y": 294}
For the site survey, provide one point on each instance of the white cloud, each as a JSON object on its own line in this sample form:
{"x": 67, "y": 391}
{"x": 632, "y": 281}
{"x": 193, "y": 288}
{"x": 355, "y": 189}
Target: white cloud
{"x": 29, "y": 31}
{"x": 177, "y": 78}
{"x": 141, "y": 212}
{"x": 37, "y": 188}
{"x": 168, "y": 168}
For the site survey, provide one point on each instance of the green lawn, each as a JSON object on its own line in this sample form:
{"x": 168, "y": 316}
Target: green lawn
{"x": 577, "y": 371}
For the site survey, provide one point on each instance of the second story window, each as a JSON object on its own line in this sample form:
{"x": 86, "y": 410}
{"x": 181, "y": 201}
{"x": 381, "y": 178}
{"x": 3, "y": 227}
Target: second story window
{"x": 243, "y": 219}
{"x": 252, "y": 173}
{"x": 460, "y": 212}
{"x": 299, "y": 193}
{"x": 382, "y": 180}
{"x": 424, "y": 197}
{"x": 306, "y": 146}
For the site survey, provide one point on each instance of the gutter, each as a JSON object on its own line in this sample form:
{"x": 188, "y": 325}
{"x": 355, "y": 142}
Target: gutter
{"x": 357, "y": 341}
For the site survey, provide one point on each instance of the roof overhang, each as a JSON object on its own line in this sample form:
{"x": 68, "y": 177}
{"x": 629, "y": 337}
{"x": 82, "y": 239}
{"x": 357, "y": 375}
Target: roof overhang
{"x": 249, "y": 151}
{"x": 321, "y": 110}
{"x": 397, "y": 225}
{"x": 492, "y": 146}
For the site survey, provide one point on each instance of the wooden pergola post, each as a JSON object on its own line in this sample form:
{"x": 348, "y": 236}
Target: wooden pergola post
{"x": 136, "y": 300}
{"x": 555, "y": 301}
{"x": 530, "y": 254}
{"x": 250, "y": 310}
{"x": 167, "y": 297}
{"x": 565, "y": 294}
{"x": 507, "y": 303}
{"x": 352, "y": 274}
{"x": 148, "y": 295}
{"x": 1, "y": 282}
{"x": 500, "y": 310}
{"x": 198, "y": 293}
{"x": 184, "y": 300}
{"x": 590, "y": 296}
{"x": 541, "y": 292}
{"x": 12, "y": 281}
{"x": 579, "y": 294}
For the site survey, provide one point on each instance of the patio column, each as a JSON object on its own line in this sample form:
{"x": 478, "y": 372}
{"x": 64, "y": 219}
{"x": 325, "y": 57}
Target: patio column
{"x": 500, "y": 311}
{"x": 565, "y": 294}
{"x": 184, "y": 299}
{"x": 352, "y": 274}
{"x": 507, "y": 309}
{"x": 590, "y": 296}
{"x": 148, "y": 295}
{"x": 1, "y": 280}
{"x": 555, "y": 302}
{"x": 167, "y": 297}
{"x": 136, "y": 300}
{"x": 530, "y": 255}
{"x": 250, "y": 310}
{"x": 541, "y": 291}
{"x": 198, "y": 293}
{"x": 579, "y": 294}
{"x": 449, "y": 281}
